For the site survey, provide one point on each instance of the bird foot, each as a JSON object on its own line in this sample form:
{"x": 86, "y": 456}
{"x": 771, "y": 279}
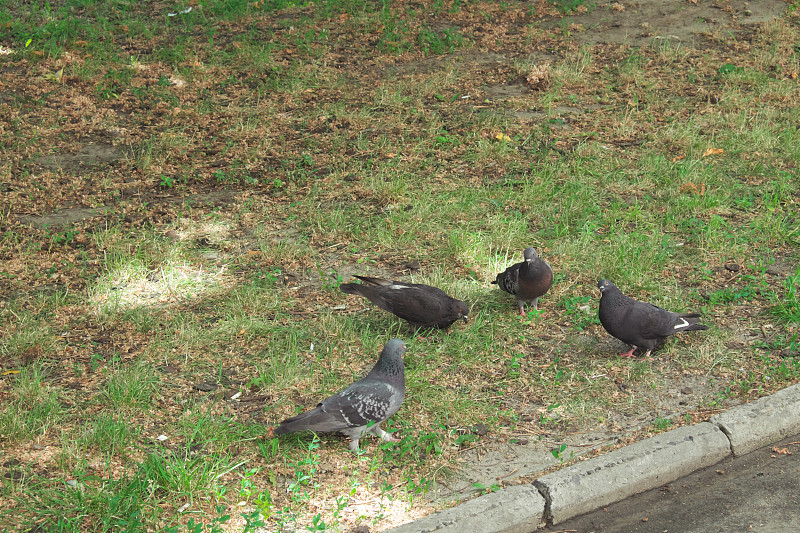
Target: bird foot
{"x": 388, "y": 437}
{"x": 628, "y": 354}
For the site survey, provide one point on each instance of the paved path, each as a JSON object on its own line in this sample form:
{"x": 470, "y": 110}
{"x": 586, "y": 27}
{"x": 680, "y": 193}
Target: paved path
{"x": 758, "y": 492}
{"x": 728, "y": 441}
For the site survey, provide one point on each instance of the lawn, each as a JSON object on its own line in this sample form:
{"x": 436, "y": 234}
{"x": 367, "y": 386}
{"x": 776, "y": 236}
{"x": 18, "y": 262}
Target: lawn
{"x": 184, "y": 185}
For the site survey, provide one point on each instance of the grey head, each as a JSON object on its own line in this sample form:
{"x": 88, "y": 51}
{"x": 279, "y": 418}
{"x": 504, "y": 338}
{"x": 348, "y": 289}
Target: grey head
{"x": 604, "y": 285}
{"x": 529, "y": 254}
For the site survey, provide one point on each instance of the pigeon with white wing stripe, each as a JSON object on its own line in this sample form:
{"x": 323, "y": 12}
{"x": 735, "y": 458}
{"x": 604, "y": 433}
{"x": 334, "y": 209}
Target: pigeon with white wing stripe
{"x": 421, "y": 305}
{"x": 363, "y": 406}
{"x": 640, "y": 324}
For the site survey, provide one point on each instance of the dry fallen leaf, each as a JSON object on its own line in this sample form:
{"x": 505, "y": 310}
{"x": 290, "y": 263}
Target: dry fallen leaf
{"x": 713, "y": 151}
{"x": 538, "y": 76}
{"x": 692, "y": 188}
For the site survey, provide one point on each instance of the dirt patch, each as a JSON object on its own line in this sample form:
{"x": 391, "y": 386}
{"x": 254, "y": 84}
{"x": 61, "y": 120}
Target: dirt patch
{"x": 88, "y": 154}
{"x": 61, "y": 218}
{"x": 531, "y": 450}
{"x": 680, "y": 21}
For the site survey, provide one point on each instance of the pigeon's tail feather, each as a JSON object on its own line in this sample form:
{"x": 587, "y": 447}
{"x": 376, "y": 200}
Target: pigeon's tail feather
{"x": 374, "y": 281}
{"x": 690, "y": 322}
{"x": 281, "y": 430}
{"x": 351, "y": 288}
{"x": 696, "y": 327}
{"x": 314, "y": 420}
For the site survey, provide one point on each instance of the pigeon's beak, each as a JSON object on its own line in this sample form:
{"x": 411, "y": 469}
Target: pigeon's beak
{"x": 464, "y": 317}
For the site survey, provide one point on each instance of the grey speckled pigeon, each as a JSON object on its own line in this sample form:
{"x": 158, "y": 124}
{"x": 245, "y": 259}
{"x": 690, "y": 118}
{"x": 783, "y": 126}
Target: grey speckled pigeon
{"x": 421, "y": 305}
{"x": 640, "y": 324}
{"x": 363, "y": 406}
{"x": 526, "y": 281}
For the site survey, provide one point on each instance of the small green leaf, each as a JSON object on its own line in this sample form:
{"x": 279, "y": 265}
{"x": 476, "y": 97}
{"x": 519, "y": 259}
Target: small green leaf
{"x": 727, "y": 68}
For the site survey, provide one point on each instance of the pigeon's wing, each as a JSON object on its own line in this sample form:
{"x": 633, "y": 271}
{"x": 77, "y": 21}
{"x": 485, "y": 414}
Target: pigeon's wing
{"x": 419, "y": 304}
{"x": 647, "y": 321}
{"x": 364, "y": 402}
{"x": 508, "y": 280}
{"x": 649, "y": 324}
{"x": 358, "y": 405}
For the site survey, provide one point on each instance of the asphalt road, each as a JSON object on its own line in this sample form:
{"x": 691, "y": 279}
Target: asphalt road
{"x": 758, "y": 492}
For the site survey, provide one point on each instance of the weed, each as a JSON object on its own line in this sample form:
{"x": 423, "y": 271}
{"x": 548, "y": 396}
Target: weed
{"x": 483, "y": 489}
{"x": 514, "y": 365}
{"x": 558, "y": 453}
{"x": 567, "y": 7}
{"x": 114, "y": 83}
{"x": 581, "y": 313}
{"x": 167, "y": 181}
{"x": 718, "y": 398}
{"x": 114, "y": 503}
{"x": 65, "y": 236}
{"x": 439, "y": 42}
{"x": 787, "y": 307}
{"x": 663, "y": 424}
{"x": 730, "y": 295}
{"x": 330, "y": 281}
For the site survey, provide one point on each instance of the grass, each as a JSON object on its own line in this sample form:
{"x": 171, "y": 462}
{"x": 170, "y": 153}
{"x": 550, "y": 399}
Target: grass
{"x": 263, "y": 152}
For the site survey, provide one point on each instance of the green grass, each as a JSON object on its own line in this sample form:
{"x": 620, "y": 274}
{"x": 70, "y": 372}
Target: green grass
{"x": 34, "y": 406}
{"x": 269, "y": 150}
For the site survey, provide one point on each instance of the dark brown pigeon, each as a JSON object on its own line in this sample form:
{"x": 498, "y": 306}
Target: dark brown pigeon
{"x": 640, "y": 324}
{"x": 526, "y": 281}
{"x": 421, "y": 305}
{"x": 363, "y": 406}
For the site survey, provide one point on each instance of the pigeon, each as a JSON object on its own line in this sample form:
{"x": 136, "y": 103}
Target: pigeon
{"x": 640, "y": 324}
{"x": 421, "y": 305}
{"x": 363, "y": 406}
{"x": 526, "y": 281}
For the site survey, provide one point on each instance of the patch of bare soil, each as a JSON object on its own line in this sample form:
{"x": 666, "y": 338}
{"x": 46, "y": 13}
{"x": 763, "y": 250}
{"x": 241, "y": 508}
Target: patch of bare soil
{"x": 687, "y": 22}
{"x": 88, "y": 154}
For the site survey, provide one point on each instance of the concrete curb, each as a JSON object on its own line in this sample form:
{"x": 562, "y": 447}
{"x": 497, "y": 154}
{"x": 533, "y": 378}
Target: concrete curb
{"x": 761, "y": 422}
{"x": 517, "y": 509}
{"x": 612, "y": 477}
{"x": 621, "y": 473}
